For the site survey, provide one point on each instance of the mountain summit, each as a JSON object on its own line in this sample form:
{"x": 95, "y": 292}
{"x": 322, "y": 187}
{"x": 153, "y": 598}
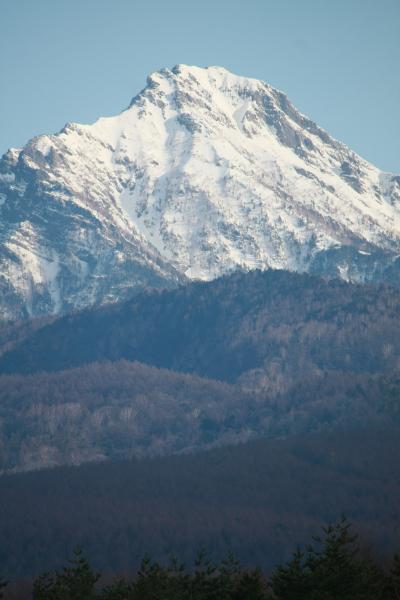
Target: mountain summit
{"x": 205, "y": 172}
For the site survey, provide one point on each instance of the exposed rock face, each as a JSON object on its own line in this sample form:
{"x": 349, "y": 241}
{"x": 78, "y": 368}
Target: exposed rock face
{"x": 204, "y": 173}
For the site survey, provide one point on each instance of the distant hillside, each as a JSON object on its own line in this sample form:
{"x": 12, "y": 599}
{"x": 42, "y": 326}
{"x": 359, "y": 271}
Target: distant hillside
{"x": 259, "y": 499}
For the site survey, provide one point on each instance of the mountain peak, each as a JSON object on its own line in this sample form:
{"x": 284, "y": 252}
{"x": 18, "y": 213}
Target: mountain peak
{"x": 205, "y": 172}
{"x": 216, "y": 75}
{"x": 206, "y": 78}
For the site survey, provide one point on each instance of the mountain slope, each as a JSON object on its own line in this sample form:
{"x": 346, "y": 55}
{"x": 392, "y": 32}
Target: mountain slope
{"x": 205, "y": 172}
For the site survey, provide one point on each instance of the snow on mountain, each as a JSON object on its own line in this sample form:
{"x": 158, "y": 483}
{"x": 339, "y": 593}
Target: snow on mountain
{"x": 203, "y": 173}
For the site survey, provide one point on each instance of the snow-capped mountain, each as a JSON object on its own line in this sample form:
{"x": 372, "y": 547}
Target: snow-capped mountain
{"x": 203, "y": 173}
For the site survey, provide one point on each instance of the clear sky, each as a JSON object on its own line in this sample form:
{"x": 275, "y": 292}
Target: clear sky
{"x": 76, "y": 60}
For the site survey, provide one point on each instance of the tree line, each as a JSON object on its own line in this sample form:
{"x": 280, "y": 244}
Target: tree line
{"x": 331, "y": 567}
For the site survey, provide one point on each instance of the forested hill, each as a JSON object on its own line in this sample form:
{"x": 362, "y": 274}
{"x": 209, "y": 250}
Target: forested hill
{"x": 123, "y": 409}
{"x": 280, "y": 324}
{"x": 258, "y": 500}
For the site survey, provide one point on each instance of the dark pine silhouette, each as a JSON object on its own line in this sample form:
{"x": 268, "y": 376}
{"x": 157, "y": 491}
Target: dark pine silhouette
{"x": 331, "y": 568}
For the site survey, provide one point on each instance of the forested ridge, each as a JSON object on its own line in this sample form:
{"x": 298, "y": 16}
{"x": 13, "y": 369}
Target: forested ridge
{"x": 274, "y": 321}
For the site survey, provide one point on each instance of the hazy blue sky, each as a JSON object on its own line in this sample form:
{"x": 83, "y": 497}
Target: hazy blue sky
{"x": 75, "y": 60}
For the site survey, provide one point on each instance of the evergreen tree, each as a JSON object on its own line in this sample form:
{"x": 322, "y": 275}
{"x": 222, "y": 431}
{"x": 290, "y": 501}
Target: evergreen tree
{"x": 228, "y": 574}
{"x": 75, "y": 582}
{"x": 250, "y": 586}
{"x": 204, "y": 584}
{"x": 44, "y": 587}
{"x": 120, "y": 589}
{"x": 331, "y": 569}
{"x": 152, "y": 582}
{"x": 292, "y": 581}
